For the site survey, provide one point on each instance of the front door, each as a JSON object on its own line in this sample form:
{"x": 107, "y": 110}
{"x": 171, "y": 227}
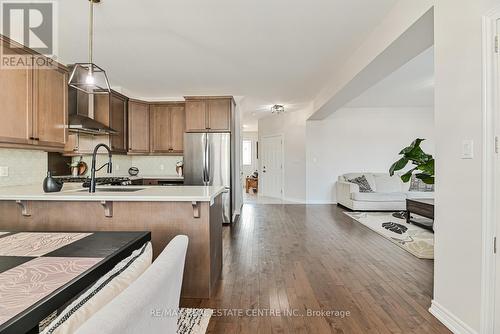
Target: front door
{"x": 272, "y": 166}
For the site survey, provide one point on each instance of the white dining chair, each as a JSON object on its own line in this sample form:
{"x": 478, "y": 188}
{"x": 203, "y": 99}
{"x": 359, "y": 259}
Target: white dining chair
{"x": 151, "y": 303}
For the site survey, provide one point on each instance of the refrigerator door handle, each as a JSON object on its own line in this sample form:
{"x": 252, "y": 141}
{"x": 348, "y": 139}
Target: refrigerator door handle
{"x": 205, "y": 161}
{"x": 209, "y": 158}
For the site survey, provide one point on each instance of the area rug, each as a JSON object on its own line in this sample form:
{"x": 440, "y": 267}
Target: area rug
{"x": 414, "y": 239}
{"x": 193, "y": 320}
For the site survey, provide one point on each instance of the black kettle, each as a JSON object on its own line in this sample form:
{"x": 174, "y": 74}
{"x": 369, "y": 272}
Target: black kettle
{"x": 51, "y": 185}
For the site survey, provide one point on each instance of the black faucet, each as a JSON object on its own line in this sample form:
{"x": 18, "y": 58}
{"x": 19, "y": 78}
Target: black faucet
{"x": 93, "y": 170}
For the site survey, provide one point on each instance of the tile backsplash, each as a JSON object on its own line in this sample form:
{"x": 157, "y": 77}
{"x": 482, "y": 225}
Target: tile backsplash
{"x": 24, "y": 166}
{"x": 148, "y": 165}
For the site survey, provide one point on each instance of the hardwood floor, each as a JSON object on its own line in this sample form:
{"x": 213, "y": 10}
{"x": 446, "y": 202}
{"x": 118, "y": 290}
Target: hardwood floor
{"x": 296, "y": 258}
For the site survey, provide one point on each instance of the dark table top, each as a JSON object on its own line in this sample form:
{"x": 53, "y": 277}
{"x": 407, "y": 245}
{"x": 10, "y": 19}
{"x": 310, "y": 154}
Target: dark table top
{"x": 42, "y": 271}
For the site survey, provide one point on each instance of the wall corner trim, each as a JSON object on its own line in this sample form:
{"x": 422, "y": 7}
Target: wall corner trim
{"x": 448, "y": 319}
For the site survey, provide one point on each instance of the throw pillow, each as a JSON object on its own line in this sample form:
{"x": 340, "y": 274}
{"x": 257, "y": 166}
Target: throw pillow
{"x": 419, "y": 185}
{"x": 102, "y": 292}
{"x": 363, "y": 184}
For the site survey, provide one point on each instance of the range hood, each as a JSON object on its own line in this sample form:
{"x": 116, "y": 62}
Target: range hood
{"x": 81, "y": 115}
{"x": 84, "y": 124}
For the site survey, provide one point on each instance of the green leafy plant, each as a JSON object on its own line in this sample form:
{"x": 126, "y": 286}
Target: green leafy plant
{"x": 423, "y": 162}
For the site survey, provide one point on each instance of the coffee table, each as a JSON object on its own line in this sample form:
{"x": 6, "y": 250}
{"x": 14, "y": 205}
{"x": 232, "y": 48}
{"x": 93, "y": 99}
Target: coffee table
{"x": 421, "y": 207}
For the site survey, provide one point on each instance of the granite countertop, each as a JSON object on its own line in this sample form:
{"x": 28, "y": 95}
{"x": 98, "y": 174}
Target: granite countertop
{"x": 75, "y": 192}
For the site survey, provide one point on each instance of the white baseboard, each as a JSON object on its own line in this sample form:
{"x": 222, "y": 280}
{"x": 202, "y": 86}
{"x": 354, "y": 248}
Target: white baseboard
{"x": 322, "y": 202}
{"x": 448, "y": 319}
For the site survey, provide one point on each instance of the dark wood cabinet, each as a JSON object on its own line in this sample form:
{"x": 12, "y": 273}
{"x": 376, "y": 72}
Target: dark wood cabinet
{"x": 209, "y": 114}
{"x": 138, "y": 127}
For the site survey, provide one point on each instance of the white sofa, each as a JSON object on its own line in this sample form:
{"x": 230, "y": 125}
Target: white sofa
{"x": 389, "y": 193}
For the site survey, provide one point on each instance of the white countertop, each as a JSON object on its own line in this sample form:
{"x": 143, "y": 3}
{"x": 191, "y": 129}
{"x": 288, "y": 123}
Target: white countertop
{"x": 74, "y": 192}
{"x": 138, "y": 177}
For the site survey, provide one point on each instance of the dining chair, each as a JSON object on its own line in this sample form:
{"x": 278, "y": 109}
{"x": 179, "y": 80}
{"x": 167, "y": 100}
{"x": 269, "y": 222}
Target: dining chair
{"x": 151, "y": 303}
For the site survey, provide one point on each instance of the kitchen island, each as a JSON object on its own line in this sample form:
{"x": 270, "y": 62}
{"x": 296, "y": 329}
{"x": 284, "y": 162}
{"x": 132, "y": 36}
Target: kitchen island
{"x": 195, "y": 211}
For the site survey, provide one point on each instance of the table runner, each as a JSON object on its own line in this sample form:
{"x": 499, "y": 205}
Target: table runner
{"x": 36, "y": 244}
{"x": 24, "y": 285}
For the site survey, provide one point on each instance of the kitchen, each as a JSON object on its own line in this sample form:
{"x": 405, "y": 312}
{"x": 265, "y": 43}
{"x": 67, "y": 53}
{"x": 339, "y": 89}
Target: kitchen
{"x": 167, "y": 166}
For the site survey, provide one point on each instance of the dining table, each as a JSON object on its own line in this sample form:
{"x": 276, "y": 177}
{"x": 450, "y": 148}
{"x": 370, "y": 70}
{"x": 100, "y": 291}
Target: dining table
{"x": 42, "y": 272}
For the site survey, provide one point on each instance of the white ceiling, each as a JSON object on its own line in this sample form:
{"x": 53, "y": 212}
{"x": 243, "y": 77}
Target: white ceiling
{"x": 412, "y": 85}
{"x": 268, "y": 51}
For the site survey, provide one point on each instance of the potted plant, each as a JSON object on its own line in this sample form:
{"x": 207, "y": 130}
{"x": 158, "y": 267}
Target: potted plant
{"x": 423, "y": 163}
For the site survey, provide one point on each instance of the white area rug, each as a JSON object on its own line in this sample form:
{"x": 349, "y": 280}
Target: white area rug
{"x": 193, "y": 320}
{"x": 415, "y": 240}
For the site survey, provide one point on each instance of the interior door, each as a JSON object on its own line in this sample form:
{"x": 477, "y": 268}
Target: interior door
{"x": 272, "y": 166}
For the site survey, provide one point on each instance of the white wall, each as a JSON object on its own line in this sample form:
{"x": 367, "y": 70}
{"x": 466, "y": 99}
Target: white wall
{"x": 25, "y": 166}
{"x": 360, "y": 139}
{"x": 458, "y": 105}
{"x": 292, "y": 126}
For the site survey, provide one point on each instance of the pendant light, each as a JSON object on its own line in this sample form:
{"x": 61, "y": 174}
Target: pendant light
{"x": 88, "y": 77}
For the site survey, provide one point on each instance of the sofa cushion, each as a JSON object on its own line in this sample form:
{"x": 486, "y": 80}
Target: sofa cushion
{"x": 419, "y": 194}
{"x": 388, "y": 184}
{"x": 368, "y": 176}
{"x": 378, "y": 197}
{"x": 363, "y": 184}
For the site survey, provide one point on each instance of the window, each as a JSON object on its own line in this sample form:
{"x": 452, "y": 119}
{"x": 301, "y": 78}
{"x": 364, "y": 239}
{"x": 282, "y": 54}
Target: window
{"x": 247, "y": 152}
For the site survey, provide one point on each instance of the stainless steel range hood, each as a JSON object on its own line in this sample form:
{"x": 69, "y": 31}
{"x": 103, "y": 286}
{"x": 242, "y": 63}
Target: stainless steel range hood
{"x": 80, "y": 110}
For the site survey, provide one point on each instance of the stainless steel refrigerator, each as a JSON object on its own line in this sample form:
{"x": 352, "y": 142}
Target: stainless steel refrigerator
{"x": 207, "y": 161}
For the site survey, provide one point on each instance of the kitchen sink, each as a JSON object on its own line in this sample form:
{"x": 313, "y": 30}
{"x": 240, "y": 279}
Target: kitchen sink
{"x": 114, "y": 190}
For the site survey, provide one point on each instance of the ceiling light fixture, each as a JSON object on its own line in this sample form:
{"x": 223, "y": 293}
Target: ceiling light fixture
{"x": 88, "y": 77}
{"x": 278, "y": 109}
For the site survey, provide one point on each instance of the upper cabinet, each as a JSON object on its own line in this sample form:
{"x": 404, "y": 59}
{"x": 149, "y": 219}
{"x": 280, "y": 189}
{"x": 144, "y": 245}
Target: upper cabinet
{"x": 111, "y": 110}
{"x": 50, "y": 107}
{"x": 209, "y": 114}
{"x": 167, "y": 127}
{"x": 34, "y": 104}
{"x": 138, "y": 127}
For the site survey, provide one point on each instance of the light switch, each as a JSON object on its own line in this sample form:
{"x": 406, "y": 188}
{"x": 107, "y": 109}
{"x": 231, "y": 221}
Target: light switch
{"x": 4, "y": 171}
{"x": 468, "y": 149}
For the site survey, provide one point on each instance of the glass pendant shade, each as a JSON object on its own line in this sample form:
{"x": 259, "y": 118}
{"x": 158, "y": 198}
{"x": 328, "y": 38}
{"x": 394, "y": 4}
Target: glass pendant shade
{"x": 89, "y": 78}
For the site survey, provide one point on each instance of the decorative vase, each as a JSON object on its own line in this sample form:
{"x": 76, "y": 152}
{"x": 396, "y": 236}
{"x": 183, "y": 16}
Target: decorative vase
{"x": 51, "y": 185}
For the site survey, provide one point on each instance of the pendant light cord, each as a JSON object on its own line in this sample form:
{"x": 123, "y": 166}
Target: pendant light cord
{"x": 91, "y": 32}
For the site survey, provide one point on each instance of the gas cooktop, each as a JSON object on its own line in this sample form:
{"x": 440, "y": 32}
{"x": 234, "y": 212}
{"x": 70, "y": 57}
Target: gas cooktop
{"x": 106, "y": 180}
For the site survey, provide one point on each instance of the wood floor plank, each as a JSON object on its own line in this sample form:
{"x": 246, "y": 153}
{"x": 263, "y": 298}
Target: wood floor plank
{"x": 295, "y": 258}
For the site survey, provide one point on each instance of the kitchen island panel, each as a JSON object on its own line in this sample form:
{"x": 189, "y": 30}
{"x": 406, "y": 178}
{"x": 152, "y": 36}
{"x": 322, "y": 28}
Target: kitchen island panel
{"x": 165, "y": 220}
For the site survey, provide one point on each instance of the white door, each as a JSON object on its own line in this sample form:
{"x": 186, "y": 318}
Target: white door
{"x": 272, "y": 166}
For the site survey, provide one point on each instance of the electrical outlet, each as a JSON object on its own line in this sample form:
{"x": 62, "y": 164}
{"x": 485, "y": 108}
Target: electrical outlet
{"x": 162, "y": 167}
{"x": 4, "y": 171}
{"x": 117, "y": 167}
